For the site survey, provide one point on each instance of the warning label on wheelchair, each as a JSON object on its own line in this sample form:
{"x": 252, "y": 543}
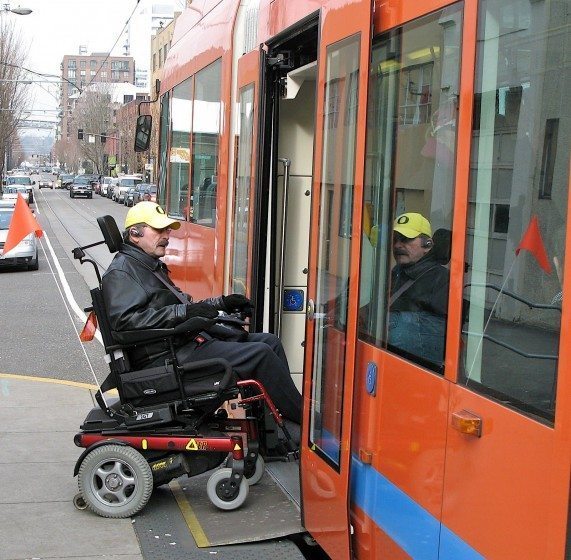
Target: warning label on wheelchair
{"x": 193, "y": 445}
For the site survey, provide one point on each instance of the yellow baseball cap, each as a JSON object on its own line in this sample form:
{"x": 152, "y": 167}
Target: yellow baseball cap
{"x": 411, "y": 225}
{"x": 149, "y": 213}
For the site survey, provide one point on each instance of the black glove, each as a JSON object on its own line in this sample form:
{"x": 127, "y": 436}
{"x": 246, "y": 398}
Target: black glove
{"x": 237, "y": 302}
{"x": 201, "y": 310}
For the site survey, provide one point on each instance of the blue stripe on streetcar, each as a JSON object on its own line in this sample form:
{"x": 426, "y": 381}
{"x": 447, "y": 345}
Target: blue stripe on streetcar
{"x": 407, "y": 523}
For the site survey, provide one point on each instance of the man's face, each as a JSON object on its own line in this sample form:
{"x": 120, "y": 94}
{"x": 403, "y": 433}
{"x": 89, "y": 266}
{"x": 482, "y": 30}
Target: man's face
{"x": 154, "y": 241}
{"x": 408, "y": 251}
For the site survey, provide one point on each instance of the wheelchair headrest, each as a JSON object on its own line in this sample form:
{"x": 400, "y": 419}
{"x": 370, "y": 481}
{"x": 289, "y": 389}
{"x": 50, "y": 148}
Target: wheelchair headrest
{"x": 111, "y": 233}
{"x": 442, "y": 245}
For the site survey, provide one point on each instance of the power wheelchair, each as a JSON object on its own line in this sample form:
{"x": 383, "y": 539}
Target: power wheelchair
{"x": 167, "y": 421}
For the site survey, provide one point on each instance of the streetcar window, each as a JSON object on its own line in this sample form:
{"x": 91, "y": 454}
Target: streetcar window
{"x": 243, "y": 184}
{"x": 205, "y": 142}
{"x": 179, "y": 154}
{"x": 162, "y": 188}
{"x": 411, "y": 150}
{"x": 515, "y": 241}
{"x": 337, "y": 185}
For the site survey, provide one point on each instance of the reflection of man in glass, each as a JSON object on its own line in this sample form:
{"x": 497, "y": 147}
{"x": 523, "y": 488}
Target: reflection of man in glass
{"x": 419, "y": 291}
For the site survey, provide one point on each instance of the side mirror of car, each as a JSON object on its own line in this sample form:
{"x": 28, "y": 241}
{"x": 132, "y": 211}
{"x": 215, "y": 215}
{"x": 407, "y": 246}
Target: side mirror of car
{"x": 143, "y": 133}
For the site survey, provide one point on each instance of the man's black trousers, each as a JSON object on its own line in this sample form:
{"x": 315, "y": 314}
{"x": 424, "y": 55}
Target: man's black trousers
{"x": 260, "y": 357}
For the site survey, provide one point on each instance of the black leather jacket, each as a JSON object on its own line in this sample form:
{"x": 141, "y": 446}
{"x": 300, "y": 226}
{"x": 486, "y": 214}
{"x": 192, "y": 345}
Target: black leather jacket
{"x": 136, "y": 299}
{"x": 429, "y": 290}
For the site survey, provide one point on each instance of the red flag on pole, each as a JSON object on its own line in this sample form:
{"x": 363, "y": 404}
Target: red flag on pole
{"x": 533, "y": 242}
{"x": 23, "y": 223}
{"x": 88, "y": 332}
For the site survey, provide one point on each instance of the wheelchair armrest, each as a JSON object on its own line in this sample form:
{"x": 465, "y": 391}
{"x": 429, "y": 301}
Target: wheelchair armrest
{"x": 134, "y": 337}
{"x": 226, "y": 381}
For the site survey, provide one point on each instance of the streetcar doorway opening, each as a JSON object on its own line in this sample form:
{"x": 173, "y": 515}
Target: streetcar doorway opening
{"x": 292, "y": 75}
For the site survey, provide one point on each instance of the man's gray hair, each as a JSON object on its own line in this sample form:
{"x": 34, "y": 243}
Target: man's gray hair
{"x": 126, "y": 233}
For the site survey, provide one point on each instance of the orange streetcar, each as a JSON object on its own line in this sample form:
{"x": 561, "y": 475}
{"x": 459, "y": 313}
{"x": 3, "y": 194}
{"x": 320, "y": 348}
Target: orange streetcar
{"x": 308, "y": 147}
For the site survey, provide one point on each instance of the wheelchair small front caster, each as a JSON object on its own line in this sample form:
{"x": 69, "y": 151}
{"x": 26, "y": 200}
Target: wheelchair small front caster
{"x": 79, "y": 502}
{"x": 224, "y": 491}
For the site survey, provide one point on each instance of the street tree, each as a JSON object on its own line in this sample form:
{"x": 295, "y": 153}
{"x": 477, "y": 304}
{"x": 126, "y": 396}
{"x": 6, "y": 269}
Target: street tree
{"x": 92, "y": 114}
{"x": 12, "y": 91}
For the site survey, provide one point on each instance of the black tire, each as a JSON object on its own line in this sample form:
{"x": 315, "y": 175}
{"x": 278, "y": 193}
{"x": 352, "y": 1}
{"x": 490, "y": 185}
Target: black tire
{"x": 90, "y": 196}
{"x": 115, "y": 481}
{"x": 70, "y": 195}
{"x": 35, "y": 264}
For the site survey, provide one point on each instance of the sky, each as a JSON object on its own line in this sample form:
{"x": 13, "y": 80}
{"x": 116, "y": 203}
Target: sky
{"x": 58, "y": 27}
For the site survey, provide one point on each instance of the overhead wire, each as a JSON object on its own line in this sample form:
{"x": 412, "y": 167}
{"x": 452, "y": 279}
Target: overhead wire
{"x": 111, "y": 49}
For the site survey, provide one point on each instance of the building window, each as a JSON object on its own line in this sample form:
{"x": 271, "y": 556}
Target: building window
{"x": 104, "y": 74}
{"x": 93, "y": 64}
{"x": 120, "y": 65}
{"x": 82, "y": 73}
{"x": 82, "y": 63}
{"x": 93, "y": 73}
{"x": 72, "y": 63}
{"x": 71, "y": 73}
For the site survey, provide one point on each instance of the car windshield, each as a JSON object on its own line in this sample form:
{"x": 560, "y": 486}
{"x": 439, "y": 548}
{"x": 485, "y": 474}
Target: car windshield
{"x": 5, "y": 217}
{"x": 19, "y": 181}
{"x": 130, "y": 182}
{"x": 15, "y": 189}
{"x": 81, "y": 181}
{"x": 66, "y": 177}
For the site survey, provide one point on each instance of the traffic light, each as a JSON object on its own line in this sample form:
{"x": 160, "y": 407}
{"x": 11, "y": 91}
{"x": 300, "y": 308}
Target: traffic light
{"x": 103, "y": 137}
{"x": 80, "y": 133}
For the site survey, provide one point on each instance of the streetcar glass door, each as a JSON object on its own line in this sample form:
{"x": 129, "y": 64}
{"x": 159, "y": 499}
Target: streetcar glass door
{"x": 401, "y": 390}
{"x": 341, "y": 98}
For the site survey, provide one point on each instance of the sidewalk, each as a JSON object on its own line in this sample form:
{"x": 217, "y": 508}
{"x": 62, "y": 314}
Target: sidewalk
{"x": 38, "y": 419}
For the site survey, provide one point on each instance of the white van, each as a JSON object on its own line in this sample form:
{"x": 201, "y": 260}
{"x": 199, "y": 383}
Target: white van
{"x": 125, "y": 183}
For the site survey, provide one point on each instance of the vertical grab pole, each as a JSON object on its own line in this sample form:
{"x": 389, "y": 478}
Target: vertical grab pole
{"x": 286, "y": 163}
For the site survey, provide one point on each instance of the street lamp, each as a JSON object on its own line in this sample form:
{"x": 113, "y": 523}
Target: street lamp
{"x": 18, "y": 11}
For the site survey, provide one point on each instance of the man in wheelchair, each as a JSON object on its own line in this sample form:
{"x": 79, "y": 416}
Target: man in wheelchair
{"x": 139, "y": 294}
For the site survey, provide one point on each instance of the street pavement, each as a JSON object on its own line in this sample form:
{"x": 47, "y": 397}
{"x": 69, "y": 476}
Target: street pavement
{"x": 38, "y": 419}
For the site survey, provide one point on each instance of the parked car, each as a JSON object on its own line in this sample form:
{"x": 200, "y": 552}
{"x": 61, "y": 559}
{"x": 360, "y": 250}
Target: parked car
{"x": 128, "y": 200}
{"x": 81, "y": 186}
{"x": 145, "y": 191}
{"x": 107, "y": 184}
{"x": 22, "y": 180}
{"x": 123, "y": 186}
{"x": 46, "y": 181}
{"x": 64, "y": 181}
{"x": 26, "y": 252}
{"x": 11, "y": 193}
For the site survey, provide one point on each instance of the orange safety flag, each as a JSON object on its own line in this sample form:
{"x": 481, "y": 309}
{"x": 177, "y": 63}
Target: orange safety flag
{"x": 533, "y": 242}
{"x": 88, "y": 331}
{"x": 23, "y": 223}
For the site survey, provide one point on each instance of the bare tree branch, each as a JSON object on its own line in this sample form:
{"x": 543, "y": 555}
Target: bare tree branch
{"x": 12, "y": 93}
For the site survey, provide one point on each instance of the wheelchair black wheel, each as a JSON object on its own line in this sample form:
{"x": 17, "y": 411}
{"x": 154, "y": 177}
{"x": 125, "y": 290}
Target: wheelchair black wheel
{"x": 115, "y": 481}
{"x": 224, "y": 492}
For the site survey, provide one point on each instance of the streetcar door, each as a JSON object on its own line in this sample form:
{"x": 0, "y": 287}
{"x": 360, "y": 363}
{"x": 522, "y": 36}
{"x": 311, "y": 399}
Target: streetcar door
{"x": 334, "y": 246}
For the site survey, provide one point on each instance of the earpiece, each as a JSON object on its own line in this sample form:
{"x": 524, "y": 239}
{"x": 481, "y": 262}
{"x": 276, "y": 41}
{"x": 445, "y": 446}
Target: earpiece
{"x": 427, "y": 243}
{"x": 136, "y": 232}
